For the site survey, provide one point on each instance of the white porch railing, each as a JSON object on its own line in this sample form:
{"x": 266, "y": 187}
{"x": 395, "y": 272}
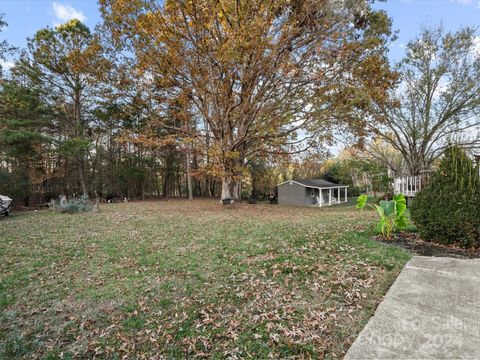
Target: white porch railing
{"x": 332, "y": 199}
{"x": 408, "y": 185}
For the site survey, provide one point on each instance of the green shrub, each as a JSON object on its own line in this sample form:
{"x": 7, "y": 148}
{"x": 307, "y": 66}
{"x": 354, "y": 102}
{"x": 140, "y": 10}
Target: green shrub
{"x": 81, "y": 204}
{"x": 447, "y": 210}
{"x": 354, "y": 191}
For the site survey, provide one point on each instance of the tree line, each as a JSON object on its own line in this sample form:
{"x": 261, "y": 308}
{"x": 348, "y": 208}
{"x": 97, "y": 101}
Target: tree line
{"x": 216, "y": 98}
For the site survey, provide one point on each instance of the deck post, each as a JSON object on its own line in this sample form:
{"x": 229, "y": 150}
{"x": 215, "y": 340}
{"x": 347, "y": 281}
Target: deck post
{"x": 321, "y": 196}
{"x": 346, "y": 197}
{"x": 329, "y": 196}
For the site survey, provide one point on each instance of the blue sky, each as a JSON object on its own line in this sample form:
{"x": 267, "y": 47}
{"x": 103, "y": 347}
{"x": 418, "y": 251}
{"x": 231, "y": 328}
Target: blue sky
{"x": 25, "y": 17}
{"x": 409, "y": 16}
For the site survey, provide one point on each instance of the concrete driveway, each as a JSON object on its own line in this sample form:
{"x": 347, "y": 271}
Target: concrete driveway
{"x": 432, "y": 311}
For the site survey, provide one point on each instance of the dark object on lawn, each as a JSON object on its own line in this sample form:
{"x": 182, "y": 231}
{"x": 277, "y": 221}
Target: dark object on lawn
{"x": 111, "y": 198}
{"x": 273, "y": 197}
{"x": 227, "y": 201}
{"x": 5, "y": 204}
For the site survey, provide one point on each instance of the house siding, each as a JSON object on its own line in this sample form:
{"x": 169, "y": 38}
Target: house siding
{"x": 295, "y": 194}
{"x": 292, "y": 194}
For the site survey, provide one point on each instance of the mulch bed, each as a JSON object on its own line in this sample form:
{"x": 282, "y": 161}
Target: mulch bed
{"x": 415, "y": 245}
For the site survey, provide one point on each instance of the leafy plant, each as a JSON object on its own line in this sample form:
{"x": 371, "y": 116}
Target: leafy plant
{"x": 392, "y": 214}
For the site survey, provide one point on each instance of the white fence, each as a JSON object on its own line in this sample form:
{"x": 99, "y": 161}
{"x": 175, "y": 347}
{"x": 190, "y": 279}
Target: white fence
{"x": 408, "y": 185}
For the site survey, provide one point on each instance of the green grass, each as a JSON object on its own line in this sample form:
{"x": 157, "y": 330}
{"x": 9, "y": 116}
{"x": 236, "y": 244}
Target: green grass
{"x": 190, "y": 279}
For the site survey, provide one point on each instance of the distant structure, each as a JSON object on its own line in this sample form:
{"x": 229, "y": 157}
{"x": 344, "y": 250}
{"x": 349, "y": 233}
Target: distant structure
{"x": 410, "y": 185}
{"x": 314, "y": 192}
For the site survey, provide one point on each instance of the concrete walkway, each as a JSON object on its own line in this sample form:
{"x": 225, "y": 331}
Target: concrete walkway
{"x": 432, "y": 311}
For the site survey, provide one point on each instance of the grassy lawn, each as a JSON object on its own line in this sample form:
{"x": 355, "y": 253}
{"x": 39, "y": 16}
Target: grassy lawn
{"x": 187, "y": 280}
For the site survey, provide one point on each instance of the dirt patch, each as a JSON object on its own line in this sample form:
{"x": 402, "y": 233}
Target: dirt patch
{"x": 415, "y": 245}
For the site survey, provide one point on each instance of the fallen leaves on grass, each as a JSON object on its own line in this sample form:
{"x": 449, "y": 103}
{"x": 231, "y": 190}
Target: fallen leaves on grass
{"x": 174, "y": 279}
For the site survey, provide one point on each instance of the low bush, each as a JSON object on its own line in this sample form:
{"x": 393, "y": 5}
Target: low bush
{"x": 81, "y": 204}
{"x": 76, "y": 205}
{"x": 447, "y": 210}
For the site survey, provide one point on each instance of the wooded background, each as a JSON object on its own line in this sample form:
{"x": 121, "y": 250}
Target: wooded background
{"x": 228, "y": 98}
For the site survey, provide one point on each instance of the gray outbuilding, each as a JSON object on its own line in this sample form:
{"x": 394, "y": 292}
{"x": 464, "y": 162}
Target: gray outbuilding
{"x": 314, "y": 192}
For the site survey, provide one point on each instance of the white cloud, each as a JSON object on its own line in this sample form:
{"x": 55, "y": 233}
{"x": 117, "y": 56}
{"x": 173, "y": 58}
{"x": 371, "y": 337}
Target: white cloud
{"x": 462, "y": 1}
{"x": 5, "y": 64}
{"x": 66, "y": 12}
{"x": 476, "y": 45}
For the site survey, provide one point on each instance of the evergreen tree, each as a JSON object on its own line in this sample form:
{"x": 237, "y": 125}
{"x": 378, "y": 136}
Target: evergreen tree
{"x": 447, "y": 210}
{"x": 24, "y": 140}
{"x": 62, "y": 63}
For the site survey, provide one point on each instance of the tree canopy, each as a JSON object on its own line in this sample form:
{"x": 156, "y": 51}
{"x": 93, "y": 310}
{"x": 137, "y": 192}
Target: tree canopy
{"x": 261, "y": 77}
{"x": 227, "y": 99}
{"x": 437, "y": 102}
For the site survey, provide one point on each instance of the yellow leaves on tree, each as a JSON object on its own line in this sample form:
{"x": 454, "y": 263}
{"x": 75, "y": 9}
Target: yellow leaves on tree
{"x": 263, "y": 76}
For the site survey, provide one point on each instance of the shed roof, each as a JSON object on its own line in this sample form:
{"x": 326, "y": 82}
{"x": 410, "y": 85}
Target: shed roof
{"x": 316, "y": 183}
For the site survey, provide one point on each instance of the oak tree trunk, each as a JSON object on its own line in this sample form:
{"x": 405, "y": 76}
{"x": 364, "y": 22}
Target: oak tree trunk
{"x": 230, "y": 188}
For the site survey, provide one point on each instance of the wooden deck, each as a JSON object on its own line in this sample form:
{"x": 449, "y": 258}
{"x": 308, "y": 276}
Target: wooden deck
{"x": 408, "y": 185}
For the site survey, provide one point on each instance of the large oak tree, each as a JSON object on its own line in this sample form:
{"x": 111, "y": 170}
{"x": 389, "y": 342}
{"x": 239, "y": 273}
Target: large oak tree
{"x": 263, "y": 76}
